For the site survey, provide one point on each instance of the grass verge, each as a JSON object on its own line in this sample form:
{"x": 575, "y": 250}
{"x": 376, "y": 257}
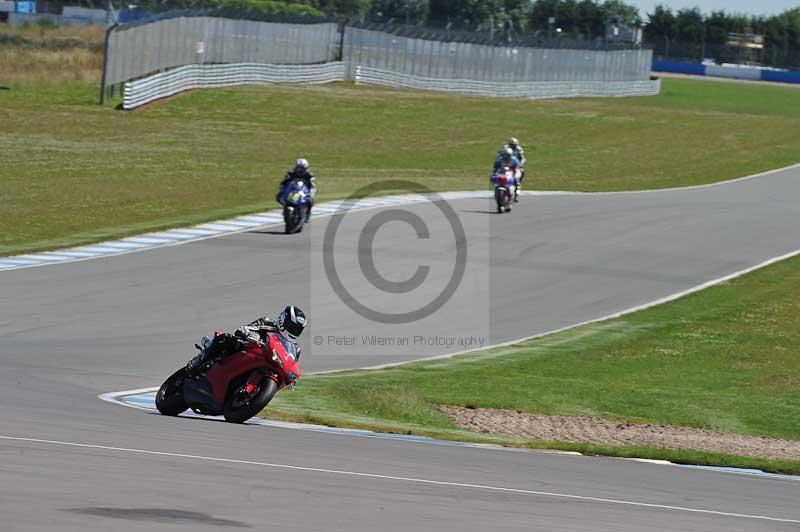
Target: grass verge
{"x": 74, "y": 172}
{"x": 726, "y": 358}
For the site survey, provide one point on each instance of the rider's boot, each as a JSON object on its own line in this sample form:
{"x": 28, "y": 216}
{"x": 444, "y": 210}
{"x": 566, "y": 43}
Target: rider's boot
{"x": 516, "y": 194}
{"x": 194, "y": 364}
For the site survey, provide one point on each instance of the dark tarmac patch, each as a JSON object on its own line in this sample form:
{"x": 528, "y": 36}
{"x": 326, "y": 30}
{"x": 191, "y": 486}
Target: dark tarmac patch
{"x": 159, "y": 515}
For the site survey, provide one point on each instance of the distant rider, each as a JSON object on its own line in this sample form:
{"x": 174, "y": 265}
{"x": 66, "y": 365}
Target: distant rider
{"x": 300, "y": 172}
{"x": 506, "y": 158}
{"x": 290, "y": 324}
{"x": 519, "y": 153}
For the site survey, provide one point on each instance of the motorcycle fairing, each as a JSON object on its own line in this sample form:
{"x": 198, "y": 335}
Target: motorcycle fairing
{"x": 224, "y": 371}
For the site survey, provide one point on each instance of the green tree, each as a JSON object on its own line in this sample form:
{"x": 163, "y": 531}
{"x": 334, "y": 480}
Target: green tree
{"x": 717, "y": 28}
{"x": 345, "y": 8}
{"x": 590, "y": 19}
{"x": 661, "y": 27}
{"x": 582, "y": 18}
{"x": 471, "y": 14}
{"x": 782, "y": 39}
{"x": 689, "y": 26}
{"x": 269, "y": 7}
{"x": 627, "y": 14}
{"x": 407, "y": 11}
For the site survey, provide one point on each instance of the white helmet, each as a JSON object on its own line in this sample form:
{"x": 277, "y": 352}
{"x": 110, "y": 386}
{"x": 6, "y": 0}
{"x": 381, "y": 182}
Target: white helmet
{"x": 301, "y": 163}
{"x": 513, "y": 142}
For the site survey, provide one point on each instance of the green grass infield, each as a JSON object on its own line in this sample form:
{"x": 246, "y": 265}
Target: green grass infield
{"x": 726, "y": 358}
{"x": 74, "y": 172}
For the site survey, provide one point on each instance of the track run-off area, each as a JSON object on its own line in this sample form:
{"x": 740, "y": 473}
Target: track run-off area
{"x": 70, "y": 332}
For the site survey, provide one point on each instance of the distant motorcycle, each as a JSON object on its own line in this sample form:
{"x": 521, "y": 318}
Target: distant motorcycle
{"x": 237, "y": 386}
{"x": 295, "y": 198}
{"x": 505, "y": 182}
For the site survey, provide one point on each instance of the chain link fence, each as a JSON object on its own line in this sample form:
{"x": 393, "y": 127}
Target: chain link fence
{"x": 140, "y": 49}
{"x": 494, "y": 38}
{"x": 523, "y": 89}
{"x": 145, "y": 48}
{"x": 457, "y": 59}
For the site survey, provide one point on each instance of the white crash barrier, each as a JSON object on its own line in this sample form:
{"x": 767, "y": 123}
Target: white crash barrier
{"x": 733, "y": 71}
{"x": 533, "y": 90}
{"x": 165, "y": 84}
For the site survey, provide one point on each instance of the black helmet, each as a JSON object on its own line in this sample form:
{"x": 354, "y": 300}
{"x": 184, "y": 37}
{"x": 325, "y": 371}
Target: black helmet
{"x": 291, "y": 321}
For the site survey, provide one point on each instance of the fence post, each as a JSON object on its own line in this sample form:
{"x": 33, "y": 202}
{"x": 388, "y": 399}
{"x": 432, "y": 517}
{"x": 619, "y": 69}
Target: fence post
{"x": 341, "y": 38}
{"x": 105, "y": 64}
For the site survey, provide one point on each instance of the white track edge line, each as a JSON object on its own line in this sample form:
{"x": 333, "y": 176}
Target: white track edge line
{"x": 618, "y": 314}
{"x": 405, "y": 479}
{"x": 694, "y": 187}
{"x": 410, "y": 199}
{"x": 115, "y": 252}
{"x": 112, "y": 397}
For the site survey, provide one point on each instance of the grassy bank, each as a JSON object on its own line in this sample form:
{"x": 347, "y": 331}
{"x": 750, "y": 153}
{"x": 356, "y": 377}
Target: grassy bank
{"x": 75, "y": 172}
{"x": 726, "y": 358}
{"x": 34, "y": 55}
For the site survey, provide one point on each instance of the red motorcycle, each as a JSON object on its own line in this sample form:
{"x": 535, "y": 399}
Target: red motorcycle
{"x": 237, "y": 386}
{"x": 505, "y": 182}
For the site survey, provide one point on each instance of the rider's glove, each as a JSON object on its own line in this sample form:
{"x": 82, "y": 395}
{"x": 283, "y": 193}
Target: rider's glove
{"x": 246, "y": 334}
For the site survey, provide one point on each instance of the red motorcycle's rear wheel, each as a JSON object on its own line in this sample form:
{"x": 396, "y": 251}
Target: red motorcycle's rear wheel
{"x": 169, "y": 399}
{"x": 241, "y": 406}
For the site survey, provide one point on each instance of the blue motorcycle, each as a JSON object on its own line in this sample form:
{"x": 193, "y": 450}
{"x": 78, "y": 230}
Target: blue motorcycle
{"x": 295, "y": 198}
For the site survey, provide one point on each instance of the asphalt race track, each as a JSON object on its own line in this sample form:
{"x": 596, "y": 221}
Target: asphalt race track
{"x": 69, "y": 332}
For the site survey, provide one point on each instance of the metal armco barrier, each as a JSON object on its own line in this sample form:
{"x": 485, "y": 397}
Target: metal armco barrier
{"x": 143, "y": 91}
{"x": 532, "y": 90}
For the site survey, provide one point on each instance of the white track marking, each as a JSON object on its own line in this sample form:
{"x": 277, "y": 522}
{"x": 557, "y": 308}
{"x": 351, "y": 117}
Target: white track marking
{"x": 112, "y": 397}
{"x": 267, "y": 219}
{"x": 665, "y": 299}
{"x": 413, "y": 480}
{"x": 241, "y": 224}
{"x": 145, "y": 401}
{"x": 695, "y": 187}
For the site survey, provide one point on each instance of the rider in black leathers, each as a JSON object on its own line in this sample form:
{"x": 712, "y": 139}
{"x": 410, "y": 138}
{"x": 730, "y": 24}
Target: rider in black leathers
{"x": 290, "y": 324}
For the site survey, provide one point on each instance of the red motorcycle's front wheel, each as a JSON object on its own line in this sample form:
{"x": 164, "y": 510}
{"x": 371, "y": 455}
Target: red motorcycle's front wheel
{"x": 241, "y": 405}
{"x": 169, "y": 399}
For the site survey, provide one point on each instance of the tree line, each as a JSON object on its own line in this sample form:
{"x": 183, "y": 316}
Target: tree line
{"x": 693, "y": 34}
{"x": 685, "y": 33}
